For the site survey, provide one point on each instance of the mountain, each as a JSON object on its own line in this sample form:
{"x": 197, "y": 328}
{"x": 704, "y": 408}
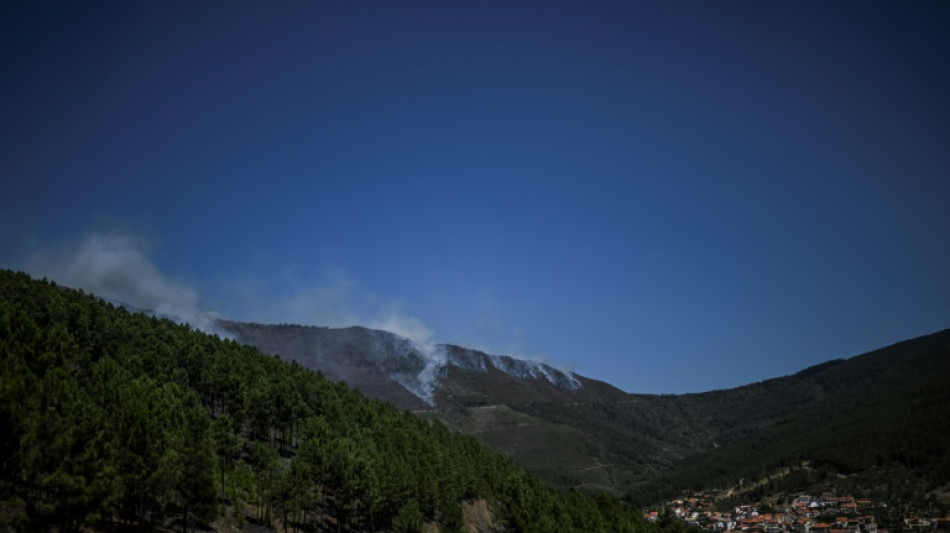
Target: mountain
{"x": 119, "y": 421}
{"x": 878, "y": 423}
{"x": 376, "y": 362}
{"x": 392, "y": 368}
{"x": 876, "y": 410}
{"x": 500, "y": 399}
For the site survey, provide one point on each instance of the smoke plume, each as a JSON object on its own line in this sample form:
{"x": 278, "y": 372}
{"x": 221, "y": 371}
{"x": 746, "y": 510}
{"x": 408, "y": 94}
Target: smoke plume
{"x": 115, "y": 267}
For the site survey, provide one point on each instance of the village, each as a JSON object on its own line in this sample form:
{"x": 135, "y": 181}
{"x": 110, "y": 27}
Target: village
{"x": 802, "y": 514}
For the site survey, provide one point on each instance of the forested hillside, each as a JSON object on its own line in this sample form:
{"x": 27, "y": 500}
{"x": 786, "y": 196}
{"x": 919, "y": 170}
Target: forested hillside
{"x": 885, "y": 409}
{"x": 877, "y": 424}
{"x": 112, "y": 418}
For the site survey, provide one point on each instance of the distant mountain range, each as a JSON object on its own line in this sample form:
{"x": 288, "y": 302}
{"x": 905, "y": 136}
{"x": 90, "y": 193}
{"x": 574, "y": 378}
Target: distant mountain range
{"x": 887, "y": 408}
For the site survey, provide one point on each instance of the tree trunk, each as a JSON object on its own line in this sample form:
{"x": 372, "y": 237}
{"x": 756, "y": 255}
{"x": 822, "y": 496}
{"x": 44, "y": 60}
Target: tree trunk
{"x": 223, "y": 492}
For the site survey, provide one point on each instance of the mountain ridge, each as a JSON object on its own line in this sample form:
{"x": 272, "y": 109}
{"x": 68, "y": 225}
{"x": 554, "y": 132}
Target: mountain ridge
{"x": 586, "y": 433}
{"x": 379, "y": 362}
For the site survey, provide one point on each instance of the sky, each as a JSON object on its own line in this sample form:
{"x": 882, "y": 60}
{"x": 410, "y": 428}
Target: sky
{"x": 669, "y": 196}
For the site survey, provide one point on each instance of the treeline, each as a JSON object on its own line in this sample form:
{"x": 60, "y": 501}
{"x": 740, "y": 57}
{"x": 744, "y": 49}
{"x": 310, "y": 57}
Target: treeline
{"x": 111, "y": 418}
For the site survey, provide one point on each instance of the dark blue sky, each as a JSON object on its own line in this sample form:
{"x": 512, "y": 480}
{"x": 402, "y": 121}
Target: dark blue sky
{"x": 669, "y": 196}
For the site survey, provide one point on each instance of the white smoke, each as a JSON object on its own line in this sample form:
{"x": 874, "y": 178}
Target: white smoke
{"x": 423, "y": 384}
{"x": 329, "y": 297}
{"x": 332, "y": 298}
{"x": 420, "y": 336}
{"x": 116, "y": 267}
{"x": 535, "y": 368}
{"x": 409, "y": 327}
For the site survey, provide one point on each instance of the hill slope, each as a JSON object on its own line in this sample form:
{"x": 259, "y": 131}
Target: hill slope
{"x": 881, "y": 420}
{"x": 585, "y": 433}
{"x": 112, "y": 419}
{"x": 539, "y": 415}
